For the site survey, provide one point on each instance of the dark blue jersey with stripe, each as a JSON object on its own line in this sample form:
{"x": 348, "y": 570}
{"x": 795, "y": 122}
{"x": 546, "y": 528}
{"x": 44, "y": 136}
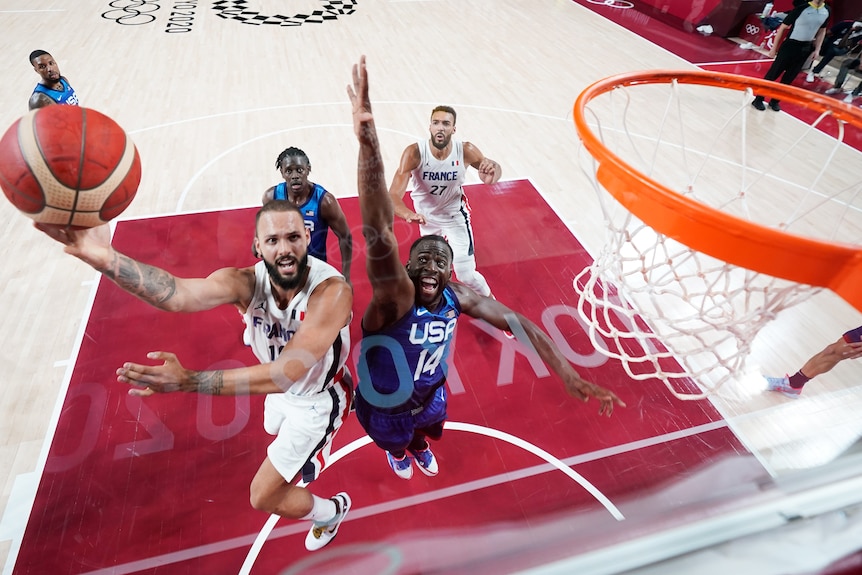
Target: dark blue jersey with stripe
{"x": 65, "y": 96}
{"x": 402, "y": 365}
{"x": 317, "y": 226}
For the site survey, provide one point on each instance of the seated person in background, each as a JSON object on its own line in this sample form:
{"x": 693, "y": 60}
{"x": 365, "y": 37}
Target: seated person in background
{"x": 849, "y": 65}
{"x": 840, "y": 39}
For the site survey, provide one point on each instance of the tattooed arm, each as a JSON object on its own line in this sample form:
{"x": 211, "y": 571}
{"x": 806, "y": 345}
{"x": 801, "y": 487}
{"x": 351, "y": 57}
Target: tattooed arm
{"x": 171, "y": 376}
{"x": 329, "y": 310}
{"x": 151, "y": 284}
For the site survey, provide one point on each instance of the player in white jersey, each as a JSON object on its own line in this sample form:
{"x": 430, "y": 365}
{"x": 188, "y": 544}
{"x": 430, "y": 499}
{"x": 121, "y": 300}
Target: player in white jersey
{"x": 299, "y": 309}
{"x": 438, "y": 167}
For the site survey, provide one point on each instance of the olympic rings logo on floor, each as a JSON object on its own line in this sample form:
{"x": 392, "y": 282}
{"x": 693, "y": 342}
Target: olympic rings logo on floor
{"x": 239, "y": 10}
{"x": 131, "y": 12}
{"x": 752, "y": 29}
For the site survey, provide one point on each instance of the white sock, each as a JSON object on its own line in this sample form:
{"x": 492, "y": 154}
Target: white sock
{"x": 323, "y": 511}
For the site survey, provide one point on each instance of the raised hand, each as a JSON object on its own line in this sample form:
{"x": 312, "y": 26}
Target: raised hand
{"x": 91, "y": 245}
{"x": 414, "y": 217}
{"x": 584, "y": 390}
{"x": 358, "y": 94}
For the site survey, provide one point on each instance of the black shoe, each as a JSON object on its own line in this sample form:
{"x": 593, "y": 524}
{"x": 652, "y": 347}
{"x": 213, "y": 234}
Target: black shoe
{"x": 775, "y": 105}
{"x": 758, "y": 103}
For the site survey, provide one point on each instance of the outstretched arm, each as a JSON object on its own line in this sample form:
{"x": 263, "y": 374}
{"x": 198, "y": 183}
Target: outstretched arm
{"x": 151, "y": 284}
{"x": 489, "y": 170}
{"x": 831, "y": 355}
{"x": 329, "y": 310}
{"x": 500, "y": 316}
{"x": 335, "y": 218}
{"x": 392, "y": 289}
{"x": 171, "y": 376}
{"x": 410, "y": 160}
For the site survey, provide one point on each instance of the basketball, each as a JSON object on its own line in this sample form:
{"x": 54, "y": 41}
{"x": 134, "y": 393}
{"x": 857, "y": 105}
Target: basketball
{"x": 69, "y": 165}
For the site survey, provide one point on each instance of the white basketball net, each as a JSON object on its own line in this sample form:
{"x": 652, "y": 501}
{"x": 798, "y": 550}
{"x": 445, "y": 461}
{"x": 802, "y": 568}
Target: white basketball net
{"x": 665, "y": 310}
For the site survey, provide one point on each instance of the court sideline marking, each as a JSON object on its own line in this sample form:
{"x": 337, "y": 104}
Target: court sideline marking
{"x": 406, "y": 502}
{"x": 454, "y": 425}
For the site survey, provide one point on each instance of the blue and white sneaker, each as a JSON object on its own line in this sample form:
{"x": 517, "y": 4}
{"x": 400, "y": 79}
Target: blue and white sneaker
{"x": 425, "y": 461}
{"x": 403, "y": 468}
{"x": 319, "y": 536}
{"x": 782, "y": 386}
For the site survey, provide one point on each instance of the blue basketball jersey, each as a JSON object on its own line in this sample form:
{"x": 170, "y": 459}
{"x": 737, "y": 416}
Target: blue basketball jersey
{"x": 315, "y": 223}
{"x": 65, "y": 96}
{"x": 409, "y": 355}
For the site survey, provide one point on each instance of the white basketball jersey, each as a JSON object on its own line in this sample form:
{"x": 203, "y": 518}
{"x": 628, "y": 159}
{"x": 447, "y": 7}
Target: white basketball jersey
{"x": 270, "y": 328}
{"x": 437, "y": 183}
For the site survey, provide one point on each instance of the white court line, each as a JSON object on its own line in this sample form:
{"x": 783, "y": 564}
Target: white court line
{"x": 261, "y": 538}
{"x": 537, "y": 451}
{"x": 69, "y": 364}
{"x": 215, "y": 159}
{"x": 346, "y": 105}
{"x": 293, "y": 527}
{"x": 735, "y": 62}
{"x": 453, "y": 425}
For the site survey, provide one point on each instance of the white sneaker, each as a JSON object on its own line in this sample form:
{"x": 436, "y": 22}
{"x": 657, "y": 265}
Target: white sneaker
{"x": 319, "y": 536}
{"x": 848, "y": 99}
{"x": 810, "y": 77}
{"x": 403, "y": 467}
{"x": 426, "y": 462}
{"x": 782, "y": 386}
{"x": 832, "y": 91}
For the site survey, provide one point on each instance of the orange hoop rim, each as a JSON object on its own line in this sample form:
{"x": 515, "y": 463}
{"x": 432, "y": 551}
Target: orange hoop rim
{"x": 731, "y": 239}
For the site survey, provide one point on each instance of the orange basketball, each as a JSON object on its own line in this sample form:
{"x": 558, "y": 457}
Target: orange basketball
{"x": 69, "y": 165}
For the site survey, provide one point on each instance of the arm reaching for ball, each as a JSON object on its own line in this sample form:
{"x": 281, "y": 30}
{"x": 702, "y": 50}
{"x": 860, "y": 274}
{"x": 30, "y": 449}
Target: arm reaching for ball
{"x": 151, "y": 284}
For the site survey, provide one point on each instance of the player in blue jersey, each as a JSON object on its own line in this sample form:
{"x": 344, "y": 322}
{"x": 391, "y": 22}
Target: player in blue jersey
{"x": 409, "y": 322}
{"x": 319, "y": 207}
{"x": 54, "y": 88}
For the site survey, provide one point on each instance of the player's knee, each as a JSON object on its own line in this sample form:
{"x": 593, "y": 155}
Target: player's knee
{"x": 260, "y": 500}
{"x": 257, "y": 502}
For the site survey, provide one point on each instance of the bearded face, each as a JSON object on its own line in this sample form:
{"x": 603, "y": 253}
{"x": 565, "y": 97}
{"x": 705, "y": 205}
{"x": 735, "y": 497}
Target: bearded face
{"x": 287, "y": 272}
{"x": 282, "y": 242}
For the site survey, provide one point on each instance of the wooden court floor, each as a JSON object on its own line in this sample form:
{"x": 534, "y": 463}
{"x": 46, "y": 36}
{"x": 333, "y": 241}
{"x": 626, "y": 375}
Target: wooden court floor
{"x": 211, "y": 96}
